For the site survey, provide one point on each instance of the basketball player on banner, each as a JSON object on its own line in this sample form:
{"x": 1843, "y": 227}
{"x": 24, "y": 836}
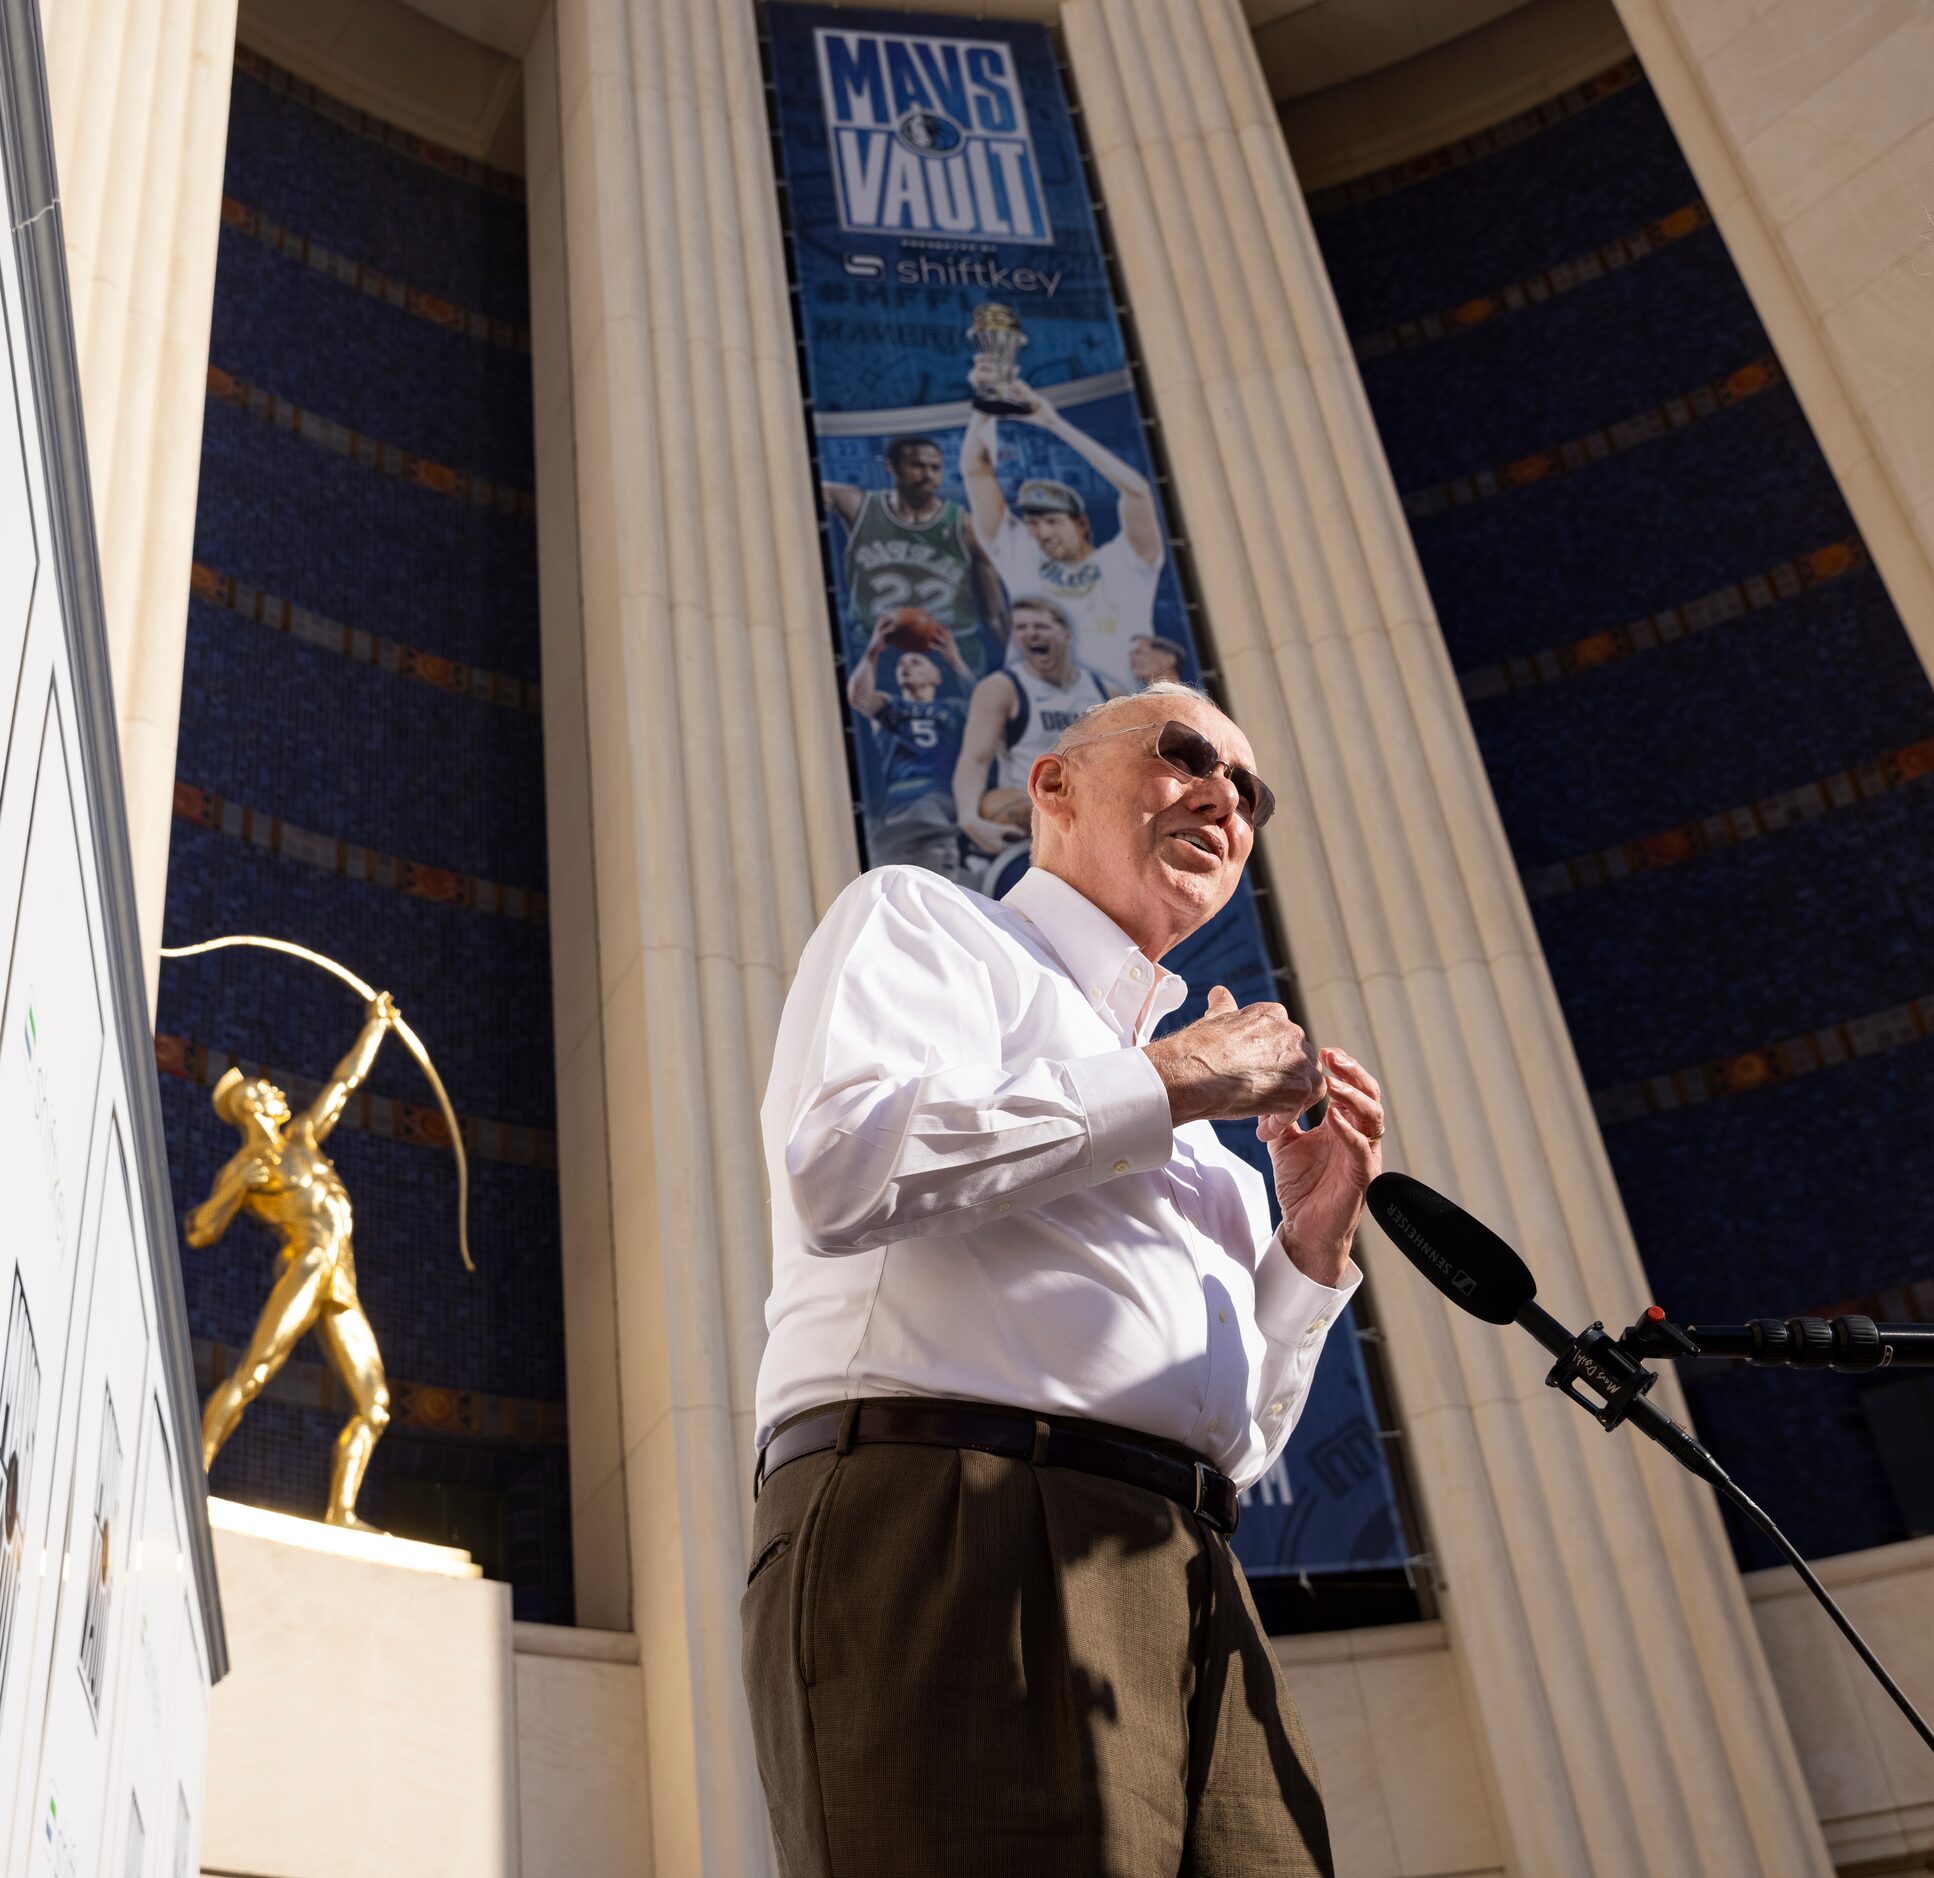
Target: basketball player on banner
{"x": 910, "y": 817}
{"x": 1157, "y": 661}
{"x": 911, "y": 549}
{"x": 1013, "y": 717}
{"x": 1045, "y": 541}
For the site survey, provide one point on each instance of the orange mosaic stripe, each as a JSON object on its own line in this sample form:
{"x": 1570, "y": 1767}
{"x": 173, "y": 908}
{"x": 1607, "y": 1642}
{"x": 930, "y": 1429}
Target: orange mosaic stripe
{"x": 1454, "y": 156}
{"x": 351, "y": 642}
{"x": 353, "y": 862}
{"x": 1690, "y": 841}
{"x": 439, "y": 478}
{"x": 353, "y": 274}
{"x": 1911, "y": 1303}
{"x": 1535, "y": 289}
{"x": 1826, "y": 1048}
{"x": 415, "y": 1123}
{"x": 436, "y": 1408}
{"x": 436, "y": 156}
{"x": 1596, "y": 650}
{"x": 1595, "y": 446}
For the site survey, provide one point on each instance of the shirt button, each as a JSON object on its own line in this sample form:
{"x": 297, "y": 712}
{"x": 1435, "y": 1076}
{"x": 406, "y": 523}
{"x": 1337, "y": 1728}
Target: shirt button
{"x": 1275, "y": 1408}
{"x": 1135, "y": 972}
{"x": 1215, "y": 1428}
{"x": 1002, "y": 1208}
{"x": 1222, "y": 1317}
{"x": 1121, "y": 1167}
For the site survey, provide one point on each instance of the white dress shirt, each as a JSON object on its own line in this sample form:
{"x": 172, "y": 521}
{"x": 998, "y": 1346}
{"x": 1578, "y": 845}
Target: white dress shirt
{"x": 977, "y": 1189}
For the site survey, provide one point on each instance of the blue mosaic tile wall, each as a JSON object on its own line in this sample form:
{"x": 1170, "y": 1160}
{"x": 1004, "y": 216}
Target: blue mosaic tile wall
{"x": 343, "y": 748}
{"x": 1771, "y": 1148}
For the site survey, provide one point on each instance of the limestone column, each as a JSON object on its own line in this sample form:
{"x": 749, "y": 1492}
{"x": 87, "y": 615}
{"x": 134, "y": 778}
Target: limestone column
{"x": 1811, "y": 133}
{"x": 1599, "y": 1625}
{"x": 139, "y": 93}
{"x": 719, "y": 801}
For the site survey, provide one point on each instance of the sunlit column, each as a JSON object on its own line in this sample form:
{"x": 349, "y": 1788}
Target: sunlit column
{"x": 1604, "y": 1641}
{"x": 139, "y": 90}
{"x": 718, "y": 800}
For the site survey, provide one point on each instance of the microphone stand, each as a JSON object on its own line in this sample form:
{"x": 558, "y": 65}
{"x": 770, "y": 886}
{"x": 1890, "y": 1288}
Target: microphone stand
{"x": 1843, "y": 1343}
{"x": 1604, "y": 1376}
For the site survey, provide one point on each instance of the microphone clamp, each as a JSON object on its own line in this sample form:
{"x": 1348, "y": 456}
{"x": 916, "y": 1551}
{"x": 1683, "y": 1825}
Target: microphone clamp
{"x": 1598, "y": 1371}
{"x": 1613, "y": 1375}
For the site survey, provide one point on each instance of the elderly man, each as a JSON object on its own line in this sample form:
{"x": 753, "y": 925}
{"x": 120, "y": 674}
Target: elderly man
{"x": 1030, "y": 1335}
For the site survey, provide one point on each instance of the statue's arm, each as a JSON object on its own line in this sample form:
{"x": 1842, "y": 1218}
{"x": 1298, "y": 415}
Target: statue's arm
{"x": 211, "y": 1219}
{"x": 322, "y": 1115}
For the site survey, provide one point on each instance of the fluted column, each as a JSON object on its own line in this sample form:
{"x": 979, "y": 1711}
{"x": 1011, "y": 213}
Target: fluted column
{"x": 1807, "y": 130}
{"x": 139, "y": 92}
{"x": 719, "y": 802}
{"x": 1605, "y": 1644}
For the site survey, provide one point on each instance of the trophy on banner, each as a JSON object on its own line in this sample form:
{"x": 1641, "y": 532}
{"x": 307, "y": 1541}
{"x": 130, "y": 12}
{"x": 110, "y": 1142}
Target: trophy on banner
{"x": 998, "y": 339}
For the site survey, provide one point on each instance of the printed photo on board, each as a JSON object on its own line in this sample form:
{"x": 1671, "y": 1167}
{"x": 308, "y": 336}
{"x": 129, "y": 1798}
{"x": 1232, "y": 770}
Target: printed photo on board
{"x": 1017, "y": 714}
{"x": 908, "y": 547}
{"x": 916, "y": 734}
{"x": 1044, "y": 541}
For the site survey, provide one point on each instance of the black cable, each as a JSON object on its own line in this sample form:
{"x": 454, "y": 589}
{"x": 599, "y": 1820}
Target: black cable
{"x": 1747, "y": 1505}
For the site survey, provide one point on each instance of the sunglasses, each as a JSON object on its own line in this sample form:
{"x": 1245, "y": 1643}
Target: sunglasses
{"x": 1183, "y": 747}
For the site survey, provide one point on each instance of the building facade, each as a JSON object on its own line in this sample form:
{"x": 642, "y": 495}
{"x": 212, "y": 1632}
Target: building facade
{"x": 1536, "y": 399}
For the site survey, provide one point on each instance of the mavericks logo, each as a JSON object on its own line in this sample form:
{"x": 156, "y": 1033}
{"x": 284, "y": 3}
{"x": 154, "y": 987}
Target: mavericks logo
{"x": 929, "y": 137}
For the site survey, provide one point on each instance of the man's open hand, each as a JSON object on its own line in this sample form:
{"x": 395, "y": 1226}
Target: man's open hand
{"x": 1235, "y": 1063}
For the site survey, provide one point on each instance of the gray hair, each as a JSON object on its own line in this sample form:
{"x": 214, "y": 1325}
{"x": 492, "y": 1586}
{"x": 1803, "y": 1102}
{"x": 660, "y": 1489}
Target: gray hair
{"x": 1093, "y": 718}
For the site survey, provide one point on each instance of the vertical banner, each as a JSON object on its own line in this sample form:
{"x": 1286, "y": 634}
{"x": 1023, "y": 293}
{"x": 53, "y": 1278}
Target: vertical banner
{"x": 1000, "y": 555}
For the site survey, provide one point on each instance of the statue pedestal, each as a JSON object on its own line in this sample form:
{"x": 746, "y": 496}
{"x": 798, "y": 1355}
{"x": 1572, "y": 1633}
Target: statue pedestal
{"x": 368, "y": 1720}
{"x": 373, "y": 1548}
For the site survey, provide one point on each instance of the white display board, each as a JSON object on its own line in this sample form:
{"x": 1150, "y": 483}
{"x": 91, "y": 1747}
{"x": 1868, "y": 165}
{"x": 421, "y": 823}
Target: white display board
{"x": 110, "y": 1630}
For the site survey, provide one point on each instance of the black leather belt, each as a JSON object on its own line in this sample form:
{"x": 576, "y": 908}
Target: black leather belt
{"x": 1047, "y": 1441}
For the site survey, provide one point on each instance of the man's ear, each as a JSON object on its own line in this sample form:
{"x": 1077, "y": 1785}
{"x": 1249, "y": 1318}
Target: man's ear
{"x": 1048, "y": 782}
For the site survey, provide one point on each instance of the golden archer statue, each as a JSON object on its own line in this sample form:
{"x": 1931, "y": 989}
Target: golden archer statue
{"x": 281, "y": 1176}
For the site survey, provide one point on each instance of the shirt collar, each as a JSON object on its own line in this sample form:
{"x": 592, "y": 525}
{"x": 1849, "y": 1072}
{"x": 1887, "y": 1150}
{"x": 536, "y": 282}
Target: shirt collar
{"x": 1114, "y": 974}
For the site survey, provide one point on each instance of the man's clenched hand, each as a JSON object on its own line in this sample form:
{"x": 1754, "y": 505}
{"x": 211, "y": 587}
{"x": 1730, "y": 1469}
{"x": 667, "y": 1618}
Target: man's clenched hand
{"x": 1235, "y": 1063}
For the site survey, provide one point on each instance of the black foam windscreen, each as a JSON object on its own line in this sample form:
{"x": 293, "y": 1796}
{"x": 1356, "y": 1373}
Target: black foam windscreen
{"x": 1461, "y": 1256}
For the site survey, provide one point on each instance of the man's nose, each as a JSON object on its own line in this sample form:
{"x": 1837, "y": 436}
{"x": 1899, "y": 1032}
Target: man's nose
{"x": 1217, "y": 790}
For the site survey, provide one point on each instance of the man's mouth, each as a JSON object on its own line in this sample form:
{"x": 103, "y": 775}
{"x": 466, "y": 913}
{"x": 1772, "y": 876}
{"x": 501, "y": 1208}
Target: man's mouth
{"x": 1207, "y": 840}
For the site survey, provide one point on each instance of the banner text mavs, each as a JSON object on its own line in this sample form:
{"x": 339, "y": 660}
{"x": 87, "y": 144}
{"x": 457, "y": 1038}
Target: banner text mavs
{"x": 929, "y": 137}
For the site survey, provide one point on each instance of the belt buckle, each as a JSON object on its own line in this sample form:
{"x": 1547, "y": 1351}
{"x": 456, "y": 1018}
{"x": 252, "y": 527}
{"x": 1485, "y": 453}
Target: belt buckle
{"x": 1201, "y": 1478}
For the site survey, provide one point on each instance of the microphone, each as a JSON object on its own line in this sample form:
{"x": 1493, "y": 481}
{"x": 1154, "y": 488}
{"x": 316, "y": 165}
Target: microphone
{"x": 1461, "y": 1256}
{"x": 1479, "y": 1273}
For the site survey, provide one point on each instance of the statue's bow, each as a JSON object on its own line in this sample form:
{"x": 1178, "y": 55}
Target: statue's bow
{"x": 415, "y": 1043}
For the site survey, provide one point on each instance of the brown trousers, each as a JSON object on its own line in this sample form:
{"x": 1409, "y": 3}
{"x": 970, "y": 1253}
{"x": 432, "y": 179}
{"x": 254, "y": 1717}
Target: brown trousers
{"x": 963, "y": 1664}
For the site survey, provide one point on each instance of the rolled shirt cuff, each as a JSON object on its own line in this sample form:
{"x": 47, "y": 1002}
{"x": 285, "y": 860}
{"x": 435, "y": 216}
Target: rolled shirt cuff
{"x": 1130, "y": 1127}
{"x": 1291, "y": 1307}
